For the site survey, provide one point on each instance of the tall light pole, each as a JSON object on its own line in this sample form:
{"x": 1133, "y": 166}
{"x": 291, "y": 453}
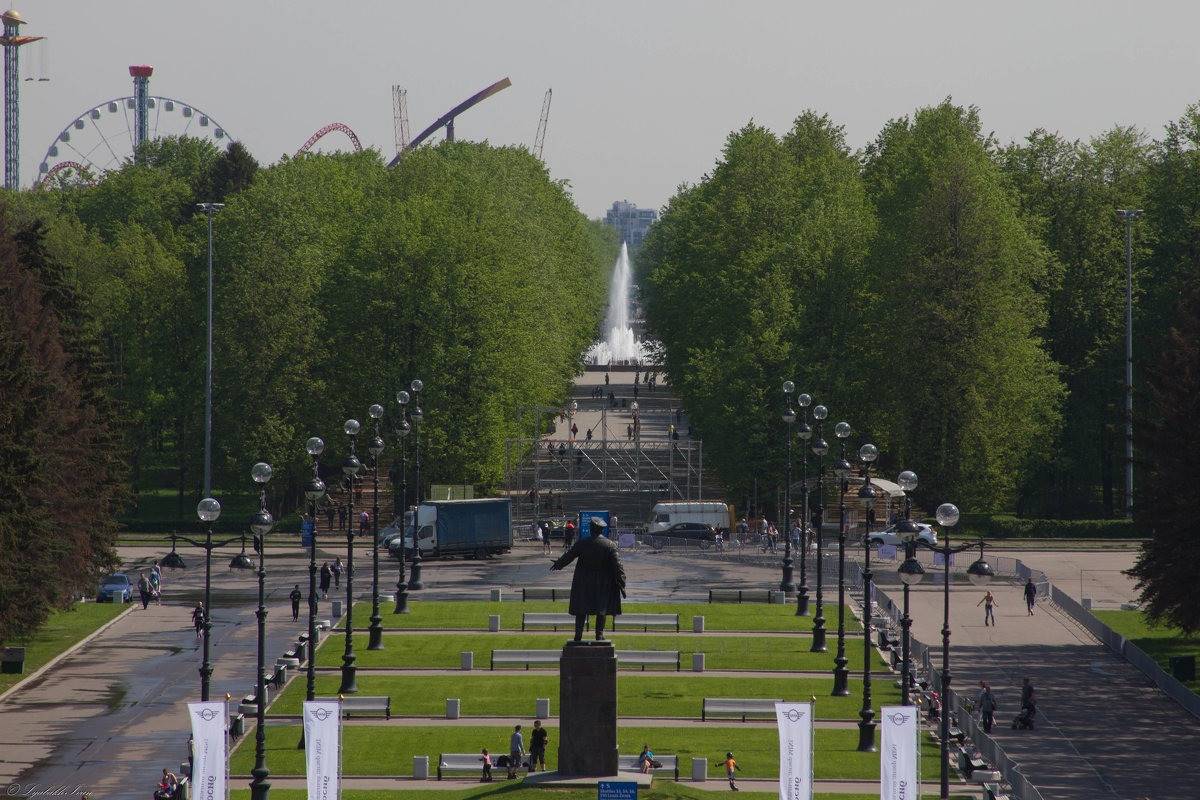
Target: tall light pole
{"x": 209, "y": 209}
{"x": 841, "y": 468}
{"x": 911, "y": 573}
{"x": 789, "y": 419}
{"x": 805, "y": 432}
{"x": 314, "y": 490}
{"x": 260, "y": 525}
{"x": 402, "y": 429}
{"x": 350, "y": 467}
{"x": 375, "y": 633}
{"x": 417, "y": 416}
{"x": 866, "y": 494}
{"x": 1129, "y": 215}
{"x": 819, "y": 448}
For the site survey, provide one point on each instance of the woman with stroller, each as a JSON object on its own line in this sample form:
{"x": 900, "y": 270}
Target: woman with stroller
{"x": 1024, "y": 720}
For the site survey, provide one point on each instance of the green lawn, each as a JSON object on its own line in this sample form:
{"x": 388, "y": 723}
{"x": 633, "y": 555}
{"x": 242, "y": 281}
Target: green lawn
{"x": 485, "y": 695}
{"x": 441, "y": 651}
{"x": 663, "y": 790}
{"x": 61, "y": 631}
{"x": 1160, "y": 642}
{"x": 388, "y": 750}
{"x": 473, "y": 614}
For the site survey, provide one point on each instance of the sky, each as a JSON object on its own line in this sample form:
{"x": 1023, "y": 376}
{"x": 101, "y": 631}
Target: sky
{"x": 645, "y": 93}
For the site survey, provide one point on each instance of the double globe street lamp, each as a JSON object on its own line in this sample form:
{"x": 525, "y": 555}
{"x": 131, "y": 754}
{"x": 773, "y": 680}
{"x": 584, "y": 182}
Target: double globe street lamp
{"x": 375, "y": 448}
{"x": 819, "y": 448}
{"x": 314, "y": 491}
{"x": 789, "y": 418}
{"x": 350, "y": 468}
{"x": 842, "y": 469}
{"x": 866, "y": 495}
{"x": 260, "y": 525}
{"x": 403, "y": 428}
{"x": 417, "y": 417}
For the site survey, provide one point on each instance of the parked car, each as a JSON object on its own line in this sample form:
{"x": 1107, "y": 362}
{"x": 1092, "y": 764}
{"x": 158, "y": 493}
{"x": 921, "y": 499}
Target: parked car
{"x": 889, "y": 536}
{"x": 685, "y": 534}
{"x": 115, "y": 588}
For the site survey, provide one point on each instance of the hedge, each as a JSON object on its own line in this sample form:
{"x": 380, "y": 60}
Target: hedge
{"x": 1007, "y": 526}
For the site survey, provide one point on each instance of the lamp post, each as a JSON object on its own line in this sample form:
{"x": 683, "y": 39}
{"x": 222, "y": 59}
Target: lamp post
{"x": 350, "y": 467}
{"x": 911, "y": 573}
{"x": 867, "y": 493}
{"x": 637, "y": 450}
{"x": 375, "y": 633}
{"x": 209, "y": 209}
{"x": 841, "y": 468}
{"x": 314, "y": 490}
{"x": 260, "y": 525}
{"x": 571, "y": 437}
{"x": 1129, "y": 215}
{"x": 789, "y": 419}
{"x": 417, "y": 417}
{"x": 805, "y": 432}
{"x": 980, "y": 573}
{"x": 402, "y": 429}
{"x": 819, "y": 448}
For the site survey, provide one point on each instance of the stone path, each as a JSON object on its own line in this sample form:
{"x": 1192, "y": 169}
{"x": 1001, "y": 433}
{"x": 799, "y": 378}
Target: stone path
{"x": 642, "y": 722}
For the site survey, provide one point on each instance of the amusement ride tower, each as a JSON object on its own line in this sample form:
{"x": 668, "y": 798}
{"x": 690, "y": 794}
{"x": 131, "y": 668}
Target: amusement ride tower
{"x": 12, "y": 41}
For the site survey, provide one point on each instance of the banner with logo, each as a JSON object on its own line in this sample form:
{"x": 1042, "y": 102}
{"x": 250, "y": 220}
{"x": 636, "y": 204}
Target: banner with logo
{"x": 208, "y": 750}
{"x": 898, "y": 759}
{"x": 322, "y": 748}
{"x": 795, "y": 721}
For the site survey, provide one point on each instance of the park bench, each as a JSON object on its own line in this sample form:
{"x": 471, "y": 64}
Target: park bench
{"x": 279, "y": 677}
{"x": 728, "y": 706}
{"x": 646, "y": 621}
{"x": 237, "y": 725}
{"x": 553, "y": 620}
{"x": 545, "y": 593}
{"x": 362, "y": 704}
{"x": 463, "y": 762}
{"x": 670, "y": 764}
{"x": 745, "y": 596}
{"x": 992, "y": 791}
{"x": 642, "y": 658}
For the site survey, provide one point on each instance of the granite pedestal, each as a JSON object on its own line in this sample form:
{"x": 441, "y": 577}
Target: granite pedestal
{"x": 587, "y": 710}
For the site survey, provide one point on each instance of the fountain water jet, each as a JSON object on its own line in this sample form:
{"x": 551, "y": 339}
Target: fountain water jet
{"x": 621, "y": 345}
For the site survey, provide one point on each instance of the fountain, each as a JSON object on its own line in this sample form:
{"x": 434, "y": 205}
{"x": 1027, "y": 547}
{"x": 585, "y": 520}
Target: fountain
{"x": 621, "y": 346}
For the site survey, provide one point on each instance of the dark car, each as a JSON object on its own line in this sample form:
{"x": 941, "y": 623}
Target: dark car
{"x": 686, "y": 534}
{"x": 115, "y": 588}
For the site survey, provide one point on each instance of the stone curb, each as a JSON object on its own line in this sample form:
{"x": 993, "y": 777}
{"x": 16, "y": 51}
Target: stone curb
{"x": 38, "y": 672}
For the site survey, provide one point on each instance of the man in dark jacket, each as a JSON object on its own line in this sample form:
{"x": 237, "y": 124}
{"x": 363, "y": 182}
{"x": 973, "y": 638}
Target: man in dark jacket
{"x": 599, "y": 580}
{"x": 295, "y": 598}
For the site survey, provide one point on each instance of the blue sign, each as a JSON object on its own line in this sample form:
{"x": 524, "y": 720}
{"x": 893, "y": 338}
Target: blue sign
{"x": 585, "y": 523}
{"x": 306, "y": 532}
{"x": 616, "y": 790}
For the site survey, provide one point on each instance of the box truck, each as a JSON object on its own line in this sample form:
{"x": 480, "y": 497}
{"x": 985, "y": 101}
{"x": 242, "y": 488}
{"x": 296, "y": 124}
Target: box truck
{"x": 467, "y": 528}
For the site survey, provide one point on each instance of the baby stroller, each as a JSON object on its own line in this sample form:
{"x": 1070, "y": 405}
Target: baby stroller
{"x": 1024, "y": 720}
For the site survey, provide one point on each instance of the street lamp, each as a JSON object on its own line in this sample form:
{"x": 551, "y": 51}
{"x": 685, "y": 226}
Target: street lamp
{"x": 314, "y": 490}
{"x": 375, "y": 632}
{"x": 260, "y": 525}
{"x": 417, "y": 417}
{"x": 350, "y": 467}
{"x": 403, "y": 429}
{"x": 209, "y": 209}
{"x": 911, "y": 572}
{"x": 637, "y": 451}
{"x": 867, "y": 494}
{"x": 789, "y": 418}
{"x": 1129, "y": 215}
{"x": 980, "y": 573}
{"x": 571, "y": 437}
{"x": 819, "y": 448}
{"x": 841, "y": 468}
{"x": 805, "y": 432}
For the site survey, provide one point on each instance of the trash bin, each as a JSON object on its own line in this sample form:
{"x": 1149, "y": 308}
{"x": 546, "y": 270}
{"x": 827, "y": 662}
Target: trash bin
{"x": 12, "y": 661}
{"x": 1183, "y": 668}
{"x": 467, "y": 660}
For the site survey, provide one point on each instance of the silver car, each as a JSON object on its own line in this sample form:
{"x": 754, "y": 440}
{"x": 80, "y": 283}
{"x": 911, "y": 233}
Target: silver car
{"x": 889, "y": 536}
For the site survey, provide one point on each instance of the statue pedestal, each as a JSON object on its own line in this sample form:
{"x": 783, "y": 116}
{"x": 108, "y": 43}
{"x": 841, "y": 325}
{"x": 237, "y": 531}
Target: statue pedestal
{"x": 587, "y": 710}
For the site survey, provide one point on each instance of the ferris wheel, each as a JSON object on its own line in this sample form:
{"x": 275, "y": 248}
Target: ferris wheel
{"x": 102, "y": 137}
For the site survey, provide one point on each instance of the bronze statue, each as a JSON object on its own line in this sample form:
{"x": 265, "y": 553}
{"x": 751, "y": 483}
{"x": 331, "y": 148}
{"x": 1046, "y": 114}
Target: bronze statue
{"x": 599, "y": 581}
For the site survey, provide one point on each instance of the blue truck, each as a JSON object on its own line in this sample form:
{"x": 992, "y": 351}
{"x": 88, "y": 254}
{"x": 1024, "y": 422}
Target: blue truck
{"x": 467, "y": 528}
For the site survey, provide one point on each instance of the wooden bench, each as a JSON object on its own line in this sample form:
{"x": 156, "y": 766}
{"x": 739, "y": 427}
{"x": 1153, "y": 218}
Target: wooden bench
{"x": 646, "y": 621}
{"x": 553, "y": 620}
{"x": 362, "y": 705}
{"x": 545, "y": 593}
{"x": 732, "y": 707}
{"x": 745, "y": 596}
{"x": 642, "y": 658}
{"x": 464, "y": 762}
{"x": 670, "y": 764}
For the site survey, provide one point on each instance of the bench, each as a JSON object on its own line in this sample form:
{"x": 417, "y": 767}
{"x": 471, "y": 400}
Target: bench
{"x": 646, "y": 621}
{"x": 464, "y": 762}
{"x": 545, "y": 593}
{"x": 362, "y": 704}
{"x": 670, "y": 764}
{"x": 728, "y": 706}
{"x": 642, "y": 658}
{"x": 279, "y": 677}
{"x": 237, "y": 725}
{"x": 993, "y": 791}
{"x": 745, "y": 596}
{"x": 553, "y": 620}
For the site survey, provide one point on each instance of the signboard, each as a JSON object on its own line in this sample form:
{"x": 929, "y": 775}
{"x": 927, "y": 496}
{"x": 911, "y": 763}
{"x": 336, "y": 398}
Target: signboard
{"x": 306, "y": 531}
{"x": 585, "y": 522}
{"x": 616, "y": 790}
{"x": 898, "y": 777}
{"x": 887, "y": 551}
{"x": 795, "y": 723}
{"x": 451, "y": 491}
{"x": 322, "y": 749}
{"x": 208, "y": 749}
{"x": 626, "y": 539}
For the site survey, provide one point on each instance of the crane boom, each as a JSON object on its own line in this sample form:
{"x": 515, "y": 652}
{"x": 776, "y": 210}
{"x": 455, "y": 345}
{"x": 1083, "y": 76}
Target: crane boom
{"x": 400, "y": 114}
{"x": 539, "y": 138}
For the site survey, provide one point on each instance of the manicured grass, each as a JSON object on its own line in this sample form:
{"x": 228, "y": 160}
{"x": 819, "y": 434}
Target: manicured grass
{"x": 485, "y": 695}
{"x": 1160, "y": 642}
{"x": 663, "y": 790}
{"x": 473, "y": 615}
{"x": 388, "y": 750}
{"x": 61, "y": 631}
{"x": 441, "y": 651}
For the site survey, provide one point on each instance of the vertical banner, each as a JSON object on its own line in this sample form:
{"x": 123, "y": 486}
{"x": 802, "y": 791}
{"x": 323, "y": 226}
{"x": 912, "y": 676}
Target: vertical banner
{"x": 898, "y": 759}
{"x": 322, "y": 748}
{"x": 795, "y": 721}
{"x": 208, "y": 750}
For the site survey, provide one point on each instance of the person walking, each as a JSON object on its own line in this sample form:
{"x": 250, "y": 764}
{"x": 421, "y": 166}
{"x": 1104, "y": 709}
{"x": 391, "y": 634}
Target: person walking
{"x": 569, "y": 535}
{"x": 989, "y": 613}
{"x": 295, "y": 598}
{"x": 606, "y": 378}
{"x": 516, "y": 750}
{"x": 545, "y": 531}
{"x": 731, "y": 767}
{"x": 331, "y": 515}
{"x": 1030, "y": 595}
{"x": 144, "y": 591}
{"x": 987, "y": 708}
{"x": 337, "y": 572}
{"x": 326, "y": 579}
{"x": 198, "y": 619}
{"x": 486, "y": 758}
{"x": 156, "y": 583}
{"x": 537, "y": 747}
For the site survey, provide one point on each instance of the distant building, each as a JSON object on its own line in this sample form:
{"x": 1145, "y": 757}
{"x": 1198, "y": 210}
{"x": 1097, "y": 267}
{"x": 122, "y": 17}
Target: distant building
{"x": 630, "y": 221}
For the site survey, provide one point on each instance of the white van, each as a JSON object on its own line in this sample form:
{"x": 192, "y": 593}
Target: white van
{"x": 709, "y": 513}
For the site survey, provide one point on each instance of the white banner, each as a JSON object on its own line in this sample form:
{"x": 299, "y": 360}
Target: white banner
{"x": 208, "y": 750}
{"x": 795, "y": 722}
{"x": 898, "y": 760}
{"x": 322, "y": 748}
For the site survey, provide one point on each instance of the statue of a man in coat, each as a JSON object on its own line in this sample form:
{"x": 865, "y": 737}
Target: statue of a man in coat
{"x": 599, "y": 581}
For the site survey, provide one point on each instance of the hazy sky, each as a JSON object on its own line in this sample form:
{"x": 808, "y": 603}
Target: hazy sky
{"x": 644, "y": 92}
